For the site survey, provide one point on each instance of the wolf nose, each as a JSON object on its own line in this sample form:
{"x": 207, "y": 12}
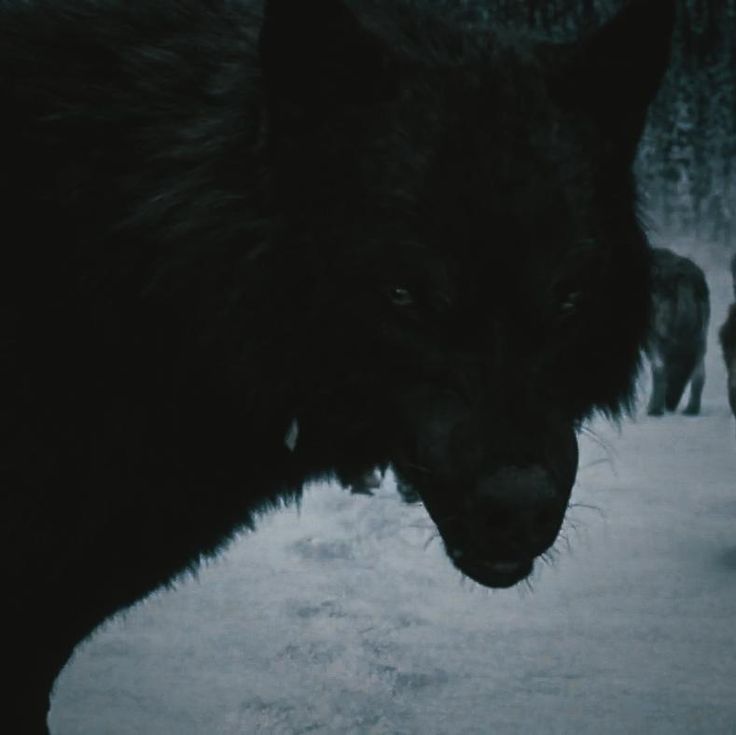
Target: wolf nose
{"x": 516, "y": 511}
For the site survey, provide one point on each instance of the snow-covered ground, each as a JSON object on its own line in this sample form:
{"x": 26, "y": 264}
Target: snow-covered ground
{"x": 344, "y": 616}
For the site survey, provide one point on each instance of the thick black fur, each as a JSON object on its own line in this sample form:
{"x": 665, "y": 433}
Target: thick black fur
{"x": 240, "y": 254}
{"x": 679, "y": 332}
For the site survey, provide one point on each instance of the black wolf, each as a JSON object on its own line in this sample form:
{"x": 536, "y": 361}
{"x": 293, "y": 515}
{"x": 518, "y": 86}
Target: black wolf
{"x": 679, "y": 331}
{"x": 247, "y": 246}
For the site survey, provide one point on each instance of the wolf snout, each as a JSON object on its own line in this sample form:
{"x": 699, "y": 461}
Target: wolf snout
{"x": 516, "y": 511}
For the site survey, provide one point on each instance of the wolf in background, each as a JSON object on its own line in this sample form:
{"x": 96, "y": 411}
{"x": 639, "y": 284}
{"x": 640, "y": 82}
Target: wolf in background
{"x": 678, "y": 338}
{"x": 727, "y": 337}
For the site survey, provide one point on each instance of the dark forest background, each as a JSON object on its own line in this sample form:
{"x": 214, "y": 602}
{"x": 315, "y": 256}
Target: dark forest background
{"x": 687, "y": 162}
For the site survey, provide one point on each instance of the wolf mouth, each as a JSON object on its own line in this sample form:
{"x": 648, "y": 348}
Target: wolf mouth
{"x": 499, "y": 574}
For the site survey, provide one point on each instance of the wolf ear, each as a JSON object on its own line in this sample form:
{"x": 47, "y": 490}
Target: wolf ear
{"x": 315, "y": 53}
{"x": 614, "y": 74}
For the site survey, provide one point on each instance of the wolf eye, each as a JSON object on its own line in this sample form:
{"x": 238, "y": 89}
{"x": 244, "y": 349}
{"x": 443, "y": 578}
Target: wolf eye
{"x": 401, "y": 296}
{"x": 570, "y": 302}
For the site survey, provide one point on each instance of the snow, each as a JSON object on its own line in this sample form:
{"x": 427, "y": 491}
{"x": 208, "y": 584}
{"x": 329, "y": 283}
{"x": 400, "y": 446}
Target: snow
{"x": 344, "y": 615}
